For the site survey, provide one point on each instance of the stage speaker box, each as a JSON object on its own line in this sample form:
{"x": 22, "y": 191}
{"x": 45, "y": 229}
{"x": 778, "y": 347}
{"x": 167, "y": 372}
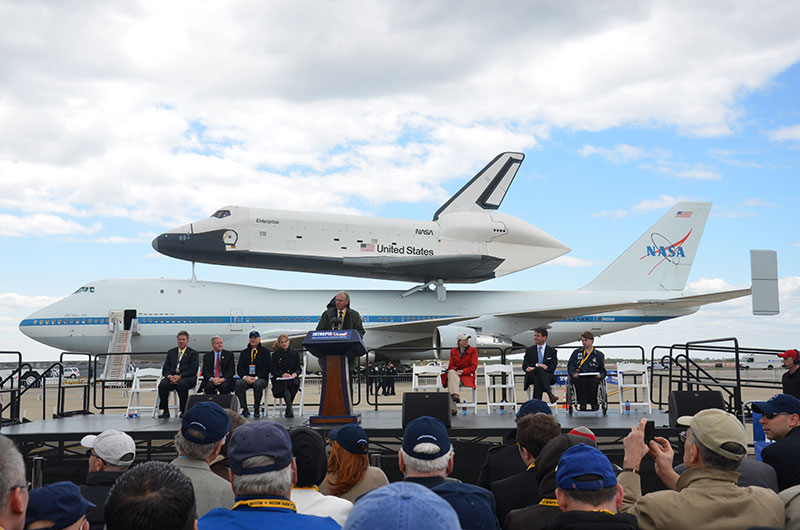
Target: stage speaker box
{"x": 690, "y": 402}
{"x": 226, "y": 401}
{"x": 434, "y": 404}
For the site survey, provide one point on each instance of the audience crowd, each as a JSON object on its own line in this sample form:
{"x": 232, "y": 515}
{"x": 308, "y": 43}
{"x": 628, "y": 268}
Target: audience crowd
{"x": 234, "y": 473}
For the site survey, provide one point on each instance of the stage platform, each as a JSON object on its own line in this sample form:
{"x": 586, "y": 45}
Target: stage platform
{"x": 380, "y": 423}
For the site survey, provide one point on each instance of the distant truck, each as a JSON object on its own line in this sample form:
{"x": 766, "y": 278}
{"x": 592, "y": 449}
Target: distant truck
{"x": 761, "y": 361}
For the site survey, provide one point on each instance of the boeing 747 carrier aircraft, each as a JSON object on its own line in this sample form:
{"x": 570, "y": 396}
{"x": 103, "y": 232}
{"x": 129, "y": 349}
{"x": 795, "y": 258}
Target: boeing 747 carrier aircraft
{"x": 468, "y": 240}
{"x": 642, "y": 286}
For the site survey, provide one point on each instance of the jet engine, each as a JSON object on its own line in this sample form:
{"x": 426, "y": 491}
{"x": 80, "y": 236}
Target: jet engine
{"x": 486, "y": 343}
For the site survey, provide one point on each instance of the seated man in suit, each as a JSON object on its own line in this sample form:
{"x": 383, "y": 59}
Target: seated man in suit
{"x": 539, "y": 366}
{"x": 218, "y": 369}
{"x": 180, "y": 374}
{"x": 253, "y": 370}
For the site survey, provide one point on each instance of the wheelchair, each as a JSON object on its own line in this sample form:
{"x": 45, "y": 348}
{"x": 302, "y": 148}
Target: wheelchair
{"x": 602, "y": 395}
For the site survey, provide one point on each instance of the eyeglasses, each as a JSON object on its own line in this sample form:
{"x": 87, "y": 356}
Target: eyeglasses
{"x": 26, "y": 486}
{"x": 682, "y": 437}
{"x": 771, "y": 415}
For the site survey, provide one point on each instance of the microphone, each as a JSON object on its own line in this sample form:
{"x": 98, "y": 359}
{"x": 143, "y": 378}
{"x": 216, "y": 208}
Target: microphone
{"x": 335, "y": 323}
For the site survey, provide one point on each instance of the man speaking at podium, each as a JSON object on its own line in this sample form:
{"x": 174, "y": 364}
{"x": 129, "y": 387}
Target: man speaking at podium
{"x": 339, "y": 315}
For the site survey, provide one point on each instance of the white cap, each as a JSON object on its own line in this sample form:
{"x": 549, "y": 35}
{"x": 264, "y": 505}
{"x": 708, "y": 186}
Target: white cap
{"x": 113, "y": 447}
{"x": 462, "y": 336}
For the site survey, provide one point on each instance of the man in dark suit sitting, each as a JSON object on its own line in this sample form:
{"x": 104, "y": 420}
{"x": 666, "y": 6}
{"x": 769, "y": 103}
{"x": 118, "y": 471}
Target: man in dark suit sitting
{"x": 253, "y": 370}
{"x": 218, "y": 369}
{"x": 539, "y": 366}
{"x": 180, "y": 374}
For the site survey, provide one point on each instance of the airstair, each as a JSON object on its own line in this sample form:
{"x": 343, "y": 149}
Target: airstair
{"x": 118, "y": 362}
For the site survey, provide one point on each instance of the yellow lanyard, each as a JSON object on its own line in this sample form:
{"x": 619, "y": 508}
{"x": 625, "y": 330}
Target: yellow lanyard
{"x": 180, "y": 355}
{"x": 305, "y": 488}
{"x": 533, "y": 465}
{"x": 548, "y": 502}
{"x": 253, "y": 354}
{"x": 585, "y": 356}
{"x": 604, "y": 511}
{"x": 267, "y": 503}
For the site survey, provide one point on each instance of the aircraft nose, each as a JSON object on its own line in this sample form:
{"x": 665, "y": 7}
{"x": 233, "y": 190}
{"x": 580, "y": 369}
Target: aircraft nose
{"x": 190, "y": 246}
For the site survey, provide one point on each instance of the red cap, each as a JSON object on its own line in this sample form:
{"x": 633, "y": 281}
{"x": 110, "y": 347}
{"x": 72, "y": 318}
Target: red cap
{"x": 790, "y": 353}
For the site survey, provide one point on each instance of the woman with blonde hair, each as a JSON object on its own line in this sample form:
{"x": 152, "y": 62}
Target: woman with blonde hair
{"x": 285, "y": 369}
{"x": 349, "y": 473}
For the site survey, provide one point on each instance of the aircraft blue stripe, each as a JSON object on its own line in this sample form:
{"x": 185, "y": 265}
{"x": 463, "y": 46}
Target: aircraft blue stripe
{"x": 259, "y": 319}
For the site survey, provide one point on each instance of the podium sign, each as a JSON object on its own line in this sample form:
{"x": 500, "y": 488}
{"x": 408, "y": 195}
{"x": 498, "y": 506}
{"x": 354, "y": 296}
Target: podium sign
{"x": 333, "y": 348}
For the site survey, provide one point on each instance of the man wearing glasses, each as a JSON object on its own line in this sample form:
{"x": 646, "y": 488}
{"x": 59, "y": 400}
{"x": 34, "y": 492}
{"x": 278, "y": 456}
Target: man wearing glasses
{"x": 110, "y": 453}
{"x": 13, "y": 486}
{"x": 781, "y": 417}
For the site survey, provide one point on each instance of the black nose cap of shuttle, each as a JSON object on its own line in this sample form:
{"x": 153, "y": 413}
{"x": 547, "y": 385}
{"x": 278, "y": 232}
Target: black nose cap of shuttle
{"x": 192, "y": 247}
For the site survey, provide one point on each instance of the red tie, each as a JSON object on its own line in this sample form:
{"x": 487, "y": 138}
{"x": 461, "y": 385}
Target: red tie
{"x": 217, "y": 373}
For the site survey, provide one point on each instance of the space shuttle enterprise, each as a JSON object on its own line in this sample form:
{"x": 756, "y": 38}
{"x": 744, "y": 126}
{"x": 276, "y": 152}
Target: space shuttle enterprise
{"x": 468, "y": 240}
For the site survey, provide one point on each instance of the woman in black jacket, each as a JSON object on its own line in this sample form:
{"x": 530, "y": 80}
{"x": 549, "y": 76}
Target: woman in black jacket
{"x": 285, "y": 372}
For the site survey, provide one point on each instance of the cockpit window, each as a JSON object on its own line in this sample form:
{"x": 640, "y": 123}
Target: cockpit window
{"x": 219, "y": 214}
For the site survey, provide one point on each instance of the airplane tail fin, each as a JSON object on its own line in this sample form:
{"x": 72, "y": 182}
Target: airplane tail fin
{"x": 487, "y": 189}
{"x": 661, "y": 258}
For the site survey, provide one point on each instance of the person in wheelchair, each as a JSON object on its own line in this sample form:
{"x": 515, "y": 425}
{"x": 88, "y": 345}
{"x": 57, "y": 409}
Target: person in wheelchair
{"x": 586, "y": 360}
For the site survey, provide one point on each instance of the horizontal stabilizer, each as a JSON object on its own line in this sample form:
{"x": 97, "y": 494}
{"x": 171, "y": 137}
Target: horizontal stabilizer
{"x": 487, "y": 189}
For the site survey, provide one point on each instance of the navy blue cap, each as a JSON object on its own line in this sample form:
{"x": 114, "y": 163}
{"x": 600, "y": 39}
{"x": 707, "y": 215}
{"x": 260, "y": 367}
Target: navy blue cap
{"x": 424, "y": 429}
{"x": 402, "y": 506}
{"x": 60, "y": 502}
{"x": 581, "y": 460}
{"x": 207, "y": 418}
{"x": 475, "y": 506}
{"x": 254, "y": 334}
{"x": 778, "y": 403}
{"x": 534, "y": 406}
{"x": 259, "y": 438}
{"x": 352, "y": 438}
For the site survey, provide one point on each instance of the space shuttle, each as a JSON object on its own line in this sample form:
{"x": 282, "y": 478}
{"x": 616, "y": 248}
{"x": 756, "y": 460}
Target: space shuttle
{"x": 467, "y": 241}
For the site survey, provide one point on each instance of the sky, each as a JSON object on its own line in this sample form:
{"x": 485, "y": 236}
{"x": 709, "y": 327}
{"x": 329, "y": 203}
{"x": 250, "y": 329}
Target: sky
{"x": 121, "y": 120}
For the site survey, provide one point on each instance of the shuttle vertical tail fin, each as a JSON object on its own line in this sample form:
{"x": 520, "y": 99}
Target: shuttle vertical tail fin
{"x": 487, "y": 189}
{"x": 662, "y": 257}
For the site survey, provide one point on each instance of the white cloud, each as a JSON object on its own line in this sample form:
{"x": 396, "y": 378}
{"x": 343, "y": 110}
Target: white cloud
{"x": 684, "y": 171}
{"x": 621, "y": 153}
{"x": 785, "y": 134}
{"x": 157, "y": 111}
{"x": 42, "y": 225}
{"x": 663, "y": 202}
{"x": 122, "y": 240}
{"x": 756, "y": 202}
{"x": 569, "y": 261}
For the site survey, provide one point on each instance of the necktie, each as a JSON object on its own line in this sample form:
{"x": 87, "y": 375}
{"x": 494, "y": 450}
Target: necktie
{"x": 340, "y": 319}
{"x": 253, "y": 356}
{"x": 217, "y": 372}
{"x": 541, "y": 352}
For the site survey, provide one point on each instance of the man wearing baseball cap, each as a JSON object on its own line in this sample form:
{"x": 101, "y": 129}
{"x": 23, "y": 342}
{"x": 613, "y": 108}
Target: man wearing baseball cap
{"x": 705, "y": 496}
{"x": 262, "y": 473}
{"x": 780, "y": 420}
{"x": 461, "y": 369}
{"x": 253, "y": 371}
{"x": 790, "y": 359}
{"x": 110, "y": 453}
{"x": 59, "y": 506}
{"x": 199, "y": 441}
{"x": 588, "y": 493}
{"x": 426, "y": 457}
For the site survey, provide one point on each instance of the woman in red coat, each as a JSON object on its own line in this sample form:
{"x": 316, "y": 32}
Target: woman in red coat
{"x": 460, "y": 370}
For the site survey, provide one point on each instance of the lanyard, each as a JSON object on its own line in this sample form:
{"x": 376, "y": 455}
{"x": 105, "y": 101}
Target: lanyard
{"x": 315, "y": 488}
{"x": 267, "y": 503}
{"x": 585, "y": 356}
{"x": 253, "y": 354}
{"x": 604, "y": 511}
{"x": 533, "y": 465}
{"x": 548, "y": 502}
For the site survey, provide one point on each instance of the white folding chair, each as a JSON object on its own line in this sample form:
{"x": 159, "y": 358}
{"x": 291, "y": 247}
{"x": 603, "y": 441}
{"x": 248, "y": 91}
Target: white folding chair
{"x": 148, "y": 376}
{"x": 426, "y": 377}
{"x": 636, "y": 379}
{"x": 473, "y": 404}
{"x": 279, "y": 401}
{"x": 495, "y": 375}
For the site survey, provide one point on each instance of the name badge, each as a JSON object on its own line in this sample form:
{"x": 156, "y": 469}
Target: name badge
{"x": 252, "y": 369}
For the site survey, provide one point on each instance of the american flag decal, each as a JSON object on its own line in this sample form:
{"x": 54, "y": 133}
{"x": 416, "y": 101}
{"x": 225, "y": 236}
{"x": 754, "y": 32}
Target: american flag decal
{"x": 369, "y": 247}
{"x": 683, "y": 214}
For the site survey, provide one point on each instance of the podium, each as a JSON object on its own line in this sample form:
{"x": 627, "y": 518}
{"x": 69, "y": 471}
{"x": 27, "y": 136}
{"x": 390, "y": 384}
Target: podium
{"x": 332, "y": 348}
